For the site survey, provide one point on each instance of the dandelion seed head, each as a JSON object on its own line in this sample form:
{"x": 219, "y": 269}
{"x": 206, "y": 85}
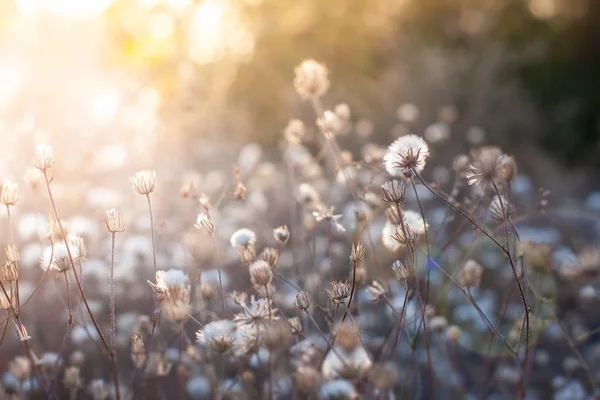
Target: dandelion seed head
{"x": 243, "y": 237}
{"x": 406, "y": 153}
{"x": 311, "y": 79}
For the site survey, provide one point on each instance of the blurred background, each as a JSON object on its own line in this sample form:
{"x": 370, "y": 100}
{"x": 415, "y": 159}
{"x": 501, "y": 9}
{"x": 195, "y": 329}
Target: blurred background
{"x": 116, "y": 84}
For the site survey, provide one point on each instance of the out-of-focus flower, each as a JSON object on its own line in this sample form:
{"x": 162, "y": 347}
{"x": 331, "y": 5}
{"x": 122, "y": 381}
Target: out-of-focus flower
{"x": 20, "y": 368}
{"x": 217, "y": 335}
{"x": 324, "y": 213}
{"x": 470, "y": 274}
{"x": 173, "y": 291}
{"x": 376, "y": 291}
{"x": 10, "y": 193}
{"x": 338, "y": 389}
{"x": 357, "y": 254}
{"x": 453, "y": 333}
{"x": 281, "y": 234}
{"x": 295, "y": 131}
{"x": 271, "y": 256}
{"x": 258, "y": 312}
{"x": 243, "y": 237}
{"x": 43, "y": 157}
{"x": 501, "y": 209}
{"x": 488, "y": 168}
{"x": 204, "y": 224}
{"x": 394, "y": 191}
{"x": 144, "y": 182}
{"x": 405, "y": 154}
{"x": 330, "y": 124}
{"x": 72, "y": 378}
{"x": 402, "y": 271}
{"x": 302, "y": 301}
{"x": 311, "y": 79}
{"x": 12, "y": 253}
{"x": 138, "y": 352}
{"x": 56, "y": 257}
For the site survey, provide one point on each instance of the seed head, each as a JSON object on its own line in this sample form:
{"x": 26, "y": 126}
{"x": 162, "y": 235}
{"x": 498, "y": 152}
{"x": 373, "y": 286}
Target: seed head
{"x": 358, "y": 253}
{"x": 43, "y": 157}
{"x": 282, "y": 234}
{"x": 138, "y": 352}
{"x": 243, "y": 237}
{"x": 240, "y": 192}
{"x": 295, "y": 325}
{"x": 330, "y": 124}
{"x": 10, "y": 272}
{"x": 311, "y": 79}
{"x": 470, "y": 275}
{"x": 339, "y": 291}
{"x": 402, "y": 271}
{"x": 453, "y": 333}
{"x": 260, "y": 273}
{"x": 144, "y": 182}
{"x": 12, "y": 253}
{"x": 20, "y": 368}
{"x": 10, "y": 193}
{"x": 271, "y": 256}
{"x": 394, "y": 191}
{"x": 113, "y": 222}
{"x": 295, "y": 131}
{"x": 501, "y": 209}
{"x": 5, "y": 301}
{"x": 488, "y": 168}
{"x": 405, "y": 154}
{"x": 205, "y": 225}
{"x": 376, "y": 291}
{"x": 72, "y": 379}
{"x": 302, "y": 302}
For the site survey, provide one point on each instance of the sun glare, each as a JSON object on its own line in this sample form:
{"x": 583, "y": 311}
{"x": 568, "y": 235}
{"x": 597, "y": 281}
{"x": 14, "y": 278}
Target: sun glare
{"x": 69, "y": 8}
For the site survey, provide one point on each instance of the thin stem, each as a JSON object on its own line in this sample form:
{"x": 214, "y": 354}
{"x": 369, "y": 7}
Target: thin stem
{"x": 112, "y": 292}
{"x": 220, "y": 279}
{"x": 152, "y": 232}
{"x": 351, "y": 292}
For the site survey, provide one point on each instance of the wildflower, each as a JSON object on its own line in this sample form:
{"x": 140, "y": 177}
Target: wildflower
{"x": 113, "y": 222}
{"x": 99, "y": 390}
{"x": 460, "y": 164}
{"x": 302, "y": 301}
{"x": 10, "y": 193}
{"x": 470, "y": 275}
{"x": 20, "y": 368}
{"x": 488, "y": 168}
{"x": 170, "y": 282}
{"x": 376, "y": 291}
{"x": 23, "y": 336}
{"x": 407, "y": 153}
{"x": 306, "y": 378}
{"x": 405, "y": 236}
{"x": 394, "y": 191}
{"x": 144, "y": 182}
{"x": 438, "y": 323}
{"x": 260, "y": 273}
{"x": 311, "y": 79}
{"x": 243, "y": 237}
{"x": 217, "y": 335}
{"x": 384, "y": 376}
{"x": 329, "y": 124}
{"x": 536, "y": 255}
{"x": 342, "y": 111}
{"x": 72, "y": 379}
{"x": 10, "y": 272}
{"x": 348, "y": 359}
{"x": 5, "y": 301}
{"x": 453, "y": 333}
{"x": 295, "y": 325}
{"x": 240, "y": 191}
{"x": 12, "y": 253}
{"x": 295, "y": 131}
{"x": 387, "y": 237}
{"x": 307, "y": 194}
{"x": 338, "y": 389}
{"x": 339, "y": 291}
{"x": 324, "y": 213}
{"x": 138, "y": 352}
{"x": 501, "y": 209}
{"x": 205, "y": 225}
{"x": 276, "y": 336}
{"x": 402, "y": 271}
{"x": 358, "y": 253}
{"x": 43, "y": 157}
{"x": 56, "y": 257}
{"x": 173, "y": 290}
{"x": 586, "y": 266}
{"x": 271, "y": 256}
{"x": 257, "y": 313}
{"x": 282, "y": 234}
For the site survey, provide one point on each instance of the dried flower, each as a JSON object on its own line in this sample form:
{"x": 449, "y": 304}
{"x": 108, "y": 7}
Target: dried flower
{"x": 10, "y": 193}
{"x": 271, "y": 256}
{"x": 339, "y": 291}
{"x": 217, "y": 335}
{"x": 20, "y": 368}
{"x": 138, "y": 351}
{"x": 453, "y": 333}
{"x": 302, "y": 302}
{"x": 10, "y": 272}
{"x": 329, "y": 124}
{"x": 324, "y": 213}
{"x": 12, "y": 253}
{"x": 470, "y": 275}
{"x": 56, "y": 257}
{"x": 43, "y": 157}
{"x": 72, "y": 379}
{"x": 295, "y": 325}
{"x": 144, "y": 182}
{"x": 376, "y": 291}
{"x": 260, "y": 273}
{"x": 257, "y": 313}
{"x": 488, "y": 168}
{"x": 5, "y": 301}
{"x": 460, "y": 164}
{"x": 402, "y": 271}
{"x": 311, "y": 79}
{"x": 501, "y": 209}
{"x": 99, "y": 390}
{"x": 295, "y": 131}
{"x": 243, "y": 237}
{"x": 405, "y": 154}
{"x": 342, "y": 111}
{"x": 357, "y": 254}
{"x": 240, "y": 191}
{"x": 23, "y": 336}
{"x": 113, "y": 222}
{"x": 205, "y": 225}
{"x": 394, "y": 191}
{"x": 438, "y": 323}
{"x": 281, "y": 234}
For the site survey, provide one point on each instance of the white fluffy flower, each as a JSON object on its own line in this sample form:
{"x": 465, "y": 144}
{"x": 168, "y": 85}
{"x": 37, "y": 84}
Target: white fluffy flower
{"x": 387, "y": 237}
{"x": 406, "y": 153}
{"x": 242, "y": 237}
{"x": 413, "y": 220}
{"x": 171, "y": 279}
{"x": 214, "y": 330}
{"x": 57, "y": 257}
